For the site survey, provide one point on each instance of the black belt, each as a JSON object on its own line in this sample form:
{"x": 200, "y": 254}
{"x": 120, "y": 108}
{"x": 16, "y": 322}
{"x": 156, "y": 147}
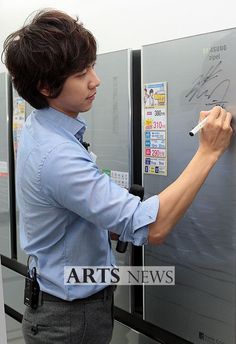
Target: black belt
{"x": 102, "y": 294}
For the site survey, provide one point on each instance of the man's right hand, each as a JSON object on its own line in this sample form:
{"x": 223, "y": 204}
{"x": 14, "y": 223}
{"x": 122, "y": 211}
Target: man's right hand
{"x": 215, "y": 136}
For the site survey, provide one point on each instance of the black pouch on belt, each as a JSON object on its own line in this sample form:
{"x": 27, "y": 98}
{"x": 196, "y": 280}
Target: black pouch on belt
{"x": 32, "y": 290}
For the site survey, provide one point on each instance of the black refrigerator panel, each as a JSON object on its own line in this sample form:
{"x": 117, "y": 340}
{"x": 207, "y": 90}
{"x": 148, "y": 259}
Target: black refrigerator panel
{"x": 197, "y": 73}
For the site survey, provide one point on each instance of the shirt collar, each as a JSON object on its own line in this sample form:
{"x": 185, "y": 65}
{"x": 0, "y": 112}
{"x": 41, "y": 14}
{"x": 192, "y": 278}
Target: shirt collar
{"x": 75, "y": 126}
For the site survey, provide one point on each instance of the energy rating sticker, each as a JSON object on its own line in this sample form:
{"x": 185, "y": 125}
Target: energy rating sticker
{"x": 155, "y": 128}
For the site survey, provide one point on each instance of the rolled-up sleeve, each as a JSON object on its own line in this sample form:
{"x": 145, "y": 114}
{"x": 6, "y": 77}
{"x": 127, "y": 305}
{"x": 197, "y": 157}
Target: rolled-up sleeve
{"x": 145, "y": 214}
{"x": 72, "y": 181}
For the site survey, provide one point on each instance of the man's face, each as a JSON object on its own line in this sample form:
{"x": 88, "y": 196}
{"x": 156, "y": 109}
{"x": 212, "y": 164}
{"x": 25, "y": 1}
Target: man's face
{"x": 78, "y": 92}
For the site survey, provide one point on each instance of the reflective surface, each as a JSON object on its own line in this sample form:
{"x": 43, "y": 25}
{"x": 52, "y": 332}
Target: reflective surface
{"x": 4, "y": 182}
{"x": 13, "y": 290}
{"x": 125, "y": 335}
{"x": 200, "y": 72}
{"x": 13, "y": 283}
{"x": 109, "y": 131}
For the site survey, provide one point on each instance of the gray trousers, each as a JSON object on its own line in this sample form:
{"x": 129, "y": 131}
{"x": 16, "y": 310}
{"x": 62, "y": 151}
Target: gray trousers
{"x": 75, "y": 322}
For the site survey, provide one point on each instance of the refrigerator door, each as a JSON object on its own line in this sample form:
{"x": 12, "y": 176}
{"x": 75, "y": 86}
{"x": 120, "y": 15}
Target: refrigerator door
{"x": 12, "y": 281}
{"x": 4, "y": 168}
{"x": 109, "y": 133}
{"x": 200, "y": 72}
{"x": 21, "y": 110}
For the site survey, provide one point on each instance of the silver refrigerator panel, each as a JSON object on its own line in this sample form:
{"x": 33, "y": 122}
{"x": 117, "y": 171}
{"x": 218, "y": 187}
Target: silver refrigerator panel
{"x": 125, "y": 335}
{"x": 4, "y": 168}
{"x": 13, "y": 291}
{"x": 21, "y": 256}
{"x": 109, "y": 131}
{"x": 200, "y": 72}
{"x": 12, "y": 282}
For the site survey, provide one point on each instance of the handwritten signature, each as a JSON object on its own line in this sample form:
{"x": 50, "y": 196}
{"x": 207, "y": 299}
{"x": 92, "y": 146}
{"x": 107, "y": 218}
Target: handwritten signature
{"x": 213, "y": 92}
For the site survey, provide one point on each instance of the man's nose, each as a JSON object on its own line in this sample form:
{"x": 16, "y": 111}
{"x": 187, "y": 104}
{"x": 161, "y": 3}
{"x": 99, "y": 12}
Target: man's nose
{"x": 95, "y": 81}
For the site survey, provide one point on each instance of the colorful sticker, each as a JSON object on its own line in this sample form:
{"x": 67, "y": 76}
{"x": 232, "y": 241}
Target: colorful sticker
{"x": 19, "y": 105}
{"x": 155, "y": 95}
{"x": 155, "y": 166}
{"x": 3, "y": 169}
{"x": 155, "y": 128}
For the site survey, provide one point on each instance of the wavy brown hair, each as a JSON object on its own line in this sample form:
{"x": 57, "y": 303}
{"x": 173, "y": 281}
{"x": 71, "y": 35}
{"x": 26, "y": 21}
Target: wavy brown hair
{"x": 45, "y": 52}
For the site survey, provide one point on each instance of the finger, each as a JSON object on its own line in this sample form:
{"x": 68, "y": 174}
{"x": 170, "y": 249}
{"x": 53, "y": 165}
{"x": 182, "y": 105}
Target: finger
{"x": 203, "y": 114}
{"x": 228, "y": 119}
{"x": 222, "y": 116}
{"x": 215, "y": 112}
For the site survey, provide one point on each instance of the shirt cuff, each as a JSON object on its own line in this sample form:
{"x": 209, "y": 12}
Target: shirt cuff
{"x": 145, "y": 214}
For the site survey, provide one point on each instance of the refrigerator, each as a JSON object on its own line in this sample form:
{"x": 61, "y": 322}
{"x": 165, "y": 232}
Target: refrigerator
{"x": 20, "y": 111}
{"x": 109, "y": 133}
{"x": 179, "y": 79}
{"x": 4, "y": 167}
{"x": 113, "y": 129}
{"x": 13, "y": 111}
{"x": 12, "y": 282}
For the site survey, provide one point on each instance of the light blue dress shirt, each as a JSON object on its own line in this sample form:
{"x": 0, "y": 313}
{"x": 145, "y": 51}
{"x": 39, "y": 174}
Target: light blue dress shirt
{"x": 67, "y": 206}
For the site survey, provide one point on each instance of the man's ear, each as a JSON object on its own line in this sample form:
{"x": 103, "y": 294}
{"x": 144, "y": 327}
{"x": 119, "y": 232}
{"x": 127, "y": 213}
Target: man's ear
{"x": 44, "y": 90}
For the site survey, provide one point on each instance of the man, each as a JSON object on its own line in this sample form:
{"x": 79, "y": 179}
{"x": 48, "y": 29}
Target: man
{"x": 67, "y": 207}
